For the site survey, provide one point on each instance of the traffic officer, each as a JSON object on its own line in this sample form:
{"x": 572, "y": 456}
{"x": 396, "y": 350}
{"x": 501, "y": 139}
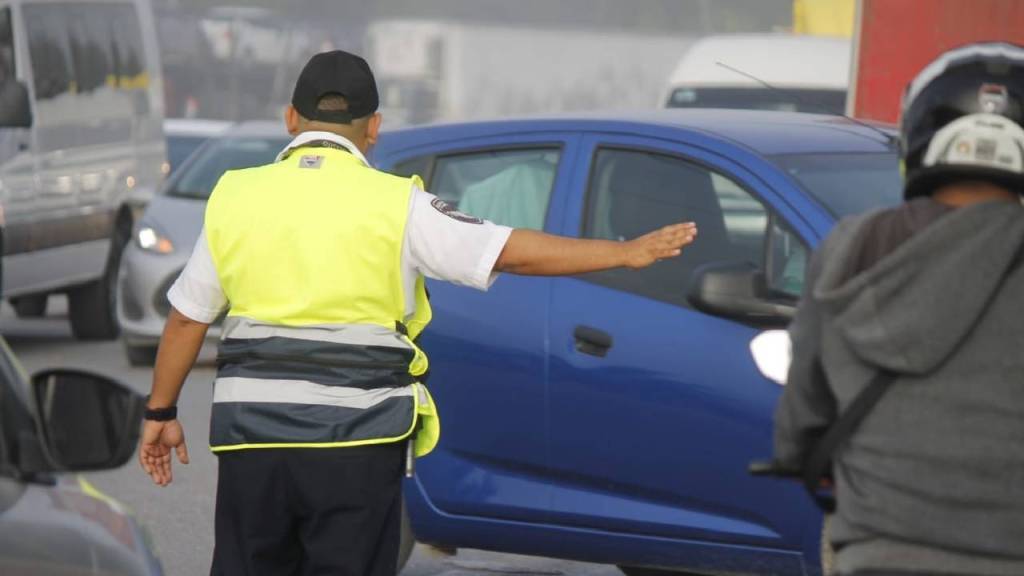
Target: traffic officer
{"x": 319, "y": 260}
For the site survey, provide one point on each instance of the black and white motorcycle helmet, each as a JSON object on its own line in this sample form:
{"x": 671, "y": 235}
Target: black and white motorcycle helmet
{"x": 962, "y": 119}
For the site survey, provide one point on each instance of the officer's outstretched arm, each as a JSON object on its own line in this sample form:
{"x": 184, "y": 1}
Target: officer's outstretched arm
{"x": 179, "y": 345}
{"x": 534, "y": 253}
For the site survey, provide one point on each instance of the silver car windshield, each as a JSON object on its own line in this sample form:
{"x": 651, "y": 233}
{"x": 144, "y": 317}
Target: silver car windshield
{"x": 847, "y": 183}
{"x": 203, "y": 169}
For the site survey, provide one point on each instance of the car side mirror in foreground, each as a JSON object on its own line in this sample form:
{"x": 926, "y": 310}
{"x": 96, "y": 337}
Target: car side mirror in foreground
{"x": 15, "y": 107}
{"x": 89, "y": 422}
{"x": 738, "y": 290}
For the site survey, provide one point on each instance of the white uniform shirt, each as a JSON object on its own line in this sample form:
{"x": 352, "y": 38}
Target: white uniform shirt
{"x": 439, "y": 243}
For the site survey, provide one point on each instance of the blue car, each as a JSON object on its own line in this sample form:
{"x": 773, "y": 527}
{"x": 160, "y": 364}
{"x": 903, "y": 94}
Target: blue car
{"x": 610, "y": 417}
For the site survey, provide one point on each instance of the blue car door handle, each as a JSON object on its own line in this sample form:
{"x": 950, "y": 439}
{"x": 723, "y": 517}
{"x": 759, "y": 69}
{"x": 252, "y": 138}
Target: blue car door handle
{"x": 592, "y": 341}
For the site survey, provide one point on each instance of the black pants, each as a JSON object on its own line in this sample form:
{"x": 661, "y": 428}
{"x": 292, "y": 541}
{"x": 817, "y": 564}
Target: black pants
{"x": 309, "y": 512}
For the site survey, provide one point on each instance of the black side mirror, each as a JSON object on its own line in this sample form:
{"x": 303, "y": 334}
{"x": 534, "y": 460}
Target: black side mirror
{"x": 738, "y": 290}
{"x": 15, "y": 107}
{"x": 89, "y": 422}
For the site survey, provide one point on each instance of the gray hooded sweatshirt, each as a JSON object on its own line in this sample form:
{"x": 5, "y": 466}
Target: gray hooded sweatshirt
{"x": 933, "y": 480}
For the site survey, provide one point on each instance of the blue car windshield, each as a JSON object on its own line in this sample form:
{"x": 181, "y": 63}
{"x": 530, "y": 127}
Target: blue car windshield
{"x": 200, "y": 174}
{"x": 847, "y": 183}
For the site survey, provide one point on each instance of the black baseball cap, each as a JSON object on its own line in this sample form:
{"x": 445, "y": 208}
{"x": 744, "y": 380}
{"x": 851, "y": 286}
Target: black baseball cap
{"x": 336, "y": 72}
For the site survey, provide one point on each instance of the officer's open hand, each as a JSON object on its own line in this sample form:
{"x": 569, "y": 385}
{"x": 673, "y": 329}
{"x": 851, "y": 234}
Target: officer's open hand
{"x": 158, "y": 438}
{"x": 664, "y": 243}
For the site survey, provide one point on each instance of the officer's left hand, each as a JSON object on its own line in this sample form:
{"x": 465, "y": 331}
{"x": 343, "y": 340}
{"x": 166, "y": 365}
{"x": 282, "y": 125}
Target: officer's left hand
{"x": 155, "y": 449}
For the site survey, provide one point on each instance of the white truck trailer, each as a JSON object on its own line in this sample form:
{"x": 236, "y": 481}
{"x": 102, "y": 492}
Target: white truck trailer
{"x": 437, "y": 71}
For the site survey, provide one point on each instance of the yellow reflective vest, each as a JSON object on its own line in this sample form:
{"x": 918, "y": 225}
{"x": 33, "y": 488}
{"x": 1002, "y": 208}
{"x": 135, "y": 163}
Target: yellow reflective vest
{"x": 316, "y": 351}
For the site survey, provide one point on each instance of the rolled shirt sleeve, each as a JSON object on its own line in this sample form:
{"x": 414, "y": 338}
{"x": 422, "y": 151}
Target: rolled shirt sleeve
{"x": 445, "y": 244}
{"x": 197, "y": 292}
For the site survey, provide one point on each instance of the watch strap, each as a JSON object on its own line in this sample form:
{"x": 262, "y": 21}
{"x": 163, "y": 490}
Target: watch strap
{"x": 161, "y": 414}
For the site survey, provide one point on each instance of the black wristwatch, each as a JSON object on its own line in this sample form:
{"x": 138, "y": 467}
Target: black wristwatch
{"x": 161, "y": 414}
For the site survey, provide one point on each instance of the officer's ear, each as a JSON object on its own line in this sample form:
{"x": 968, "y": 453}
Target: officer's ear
{"x": 292, "y": 119}
{"x": 373, "y": 128}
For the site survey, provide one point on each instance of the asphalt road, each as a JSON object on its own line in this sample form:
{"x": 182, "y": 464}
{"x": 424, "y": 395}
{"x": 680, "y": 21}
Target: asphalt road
{"x": 180, "y": 516}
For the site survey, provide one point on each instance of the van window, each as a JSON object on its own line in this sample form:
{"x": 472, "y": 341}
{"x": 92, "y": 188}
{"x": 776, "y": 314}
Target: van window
{"x": 128, "y": 50}
{"x": 632, "y": 192}
{"x": 91, "y": 49}
{"x": 7, "y": 71}
{"x": 508, "y": 187}
{"x": 49, "y": 50}
{"x": 80, "y": 48}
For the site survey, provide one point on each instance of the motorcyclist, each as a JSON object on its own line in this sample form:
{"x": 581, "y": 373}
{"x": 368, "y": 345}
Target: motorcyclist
{"x": 930, "y": 293}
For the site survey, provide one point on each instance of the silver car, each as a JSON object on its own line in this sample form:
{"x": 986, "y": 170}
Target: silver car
{"x": 163, "y": 240}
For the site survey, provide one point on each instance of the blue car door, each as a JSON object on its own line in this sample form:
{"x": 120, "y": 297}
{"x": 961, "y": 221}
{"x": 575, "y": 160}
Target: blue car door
{"x": 657, "y": 408}
{"x": 488, "y": 350}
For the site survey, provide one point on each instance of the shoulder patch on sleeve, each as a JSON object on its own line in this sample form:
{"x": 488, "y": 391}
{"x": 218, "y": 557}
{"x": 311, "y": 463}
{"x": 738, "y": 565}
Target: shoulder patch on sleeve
{"x": 450, "y": 211}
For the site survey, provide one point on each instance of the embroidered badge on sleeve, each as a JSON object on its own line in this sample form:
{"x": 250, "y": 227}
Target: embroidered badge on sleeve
{"x": 451, "y": 212}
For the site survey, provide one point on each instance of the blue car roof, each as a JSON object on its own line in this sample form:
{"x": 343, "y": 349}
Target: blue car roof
{"x": 764, "y": 132}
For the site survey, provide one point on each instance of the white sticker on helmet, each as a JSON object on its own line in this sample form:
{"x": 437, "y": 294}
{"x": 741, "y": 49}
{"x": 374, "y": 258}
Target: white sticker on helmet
{"x": 983, "y": 140}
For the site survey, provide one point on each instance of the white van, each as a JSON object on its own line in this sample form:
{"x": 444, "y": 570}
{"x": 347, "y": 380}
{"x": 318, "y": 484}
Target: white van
{"x": 81, "y": 141}
{"x": 811, "y": 73}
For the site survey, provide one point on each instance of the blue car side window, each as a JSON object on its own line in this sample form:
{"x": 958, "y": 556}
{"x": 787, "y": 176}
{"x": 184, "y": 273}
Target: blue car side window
{"x": 634, "y": 191}
{"x": 511, "y": 187}
{"x": 508, "y": 187}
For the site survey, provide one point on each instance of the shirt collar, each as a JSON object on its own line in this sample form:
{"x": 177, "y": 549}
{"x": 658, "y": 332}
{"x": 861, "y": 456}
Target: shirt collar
{"x": 312, "y": 136}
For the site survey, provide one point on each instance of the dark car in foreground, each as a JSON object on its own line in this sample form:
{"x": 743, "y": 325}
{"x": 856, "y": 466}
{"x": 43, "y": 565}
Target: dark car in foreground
{"x": 611, "y": 417}
{"x": 53, "y": 522}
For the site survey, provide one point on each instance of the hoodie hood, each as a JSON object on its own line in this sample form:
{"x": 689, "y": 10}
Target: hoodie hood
{"x": 911, "y": 309}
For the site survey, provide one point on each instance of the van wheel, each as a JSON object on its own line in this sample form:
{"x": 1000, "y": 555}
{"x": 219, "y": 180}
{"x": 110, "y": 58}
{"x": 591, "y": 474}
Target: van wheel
{"x": 407, "y": 540}
{"x": 140, "y": 355}
{"x": 33, "y": 306}
{"x": 92, "y": 307}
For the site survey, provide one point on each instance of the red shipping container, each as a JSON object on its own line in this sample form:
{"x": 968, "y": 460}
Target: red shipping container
{"x": 895, "y": 39}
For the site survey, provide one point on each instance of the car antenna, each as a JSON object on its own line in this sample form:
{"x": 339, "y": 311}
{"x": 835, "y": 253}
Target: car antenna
{"x": 889, "y": 138}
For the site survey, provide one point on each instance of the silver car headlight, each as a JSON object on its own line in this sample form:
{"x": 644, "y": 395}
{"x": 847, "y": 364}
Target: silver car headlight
{"x": 151, "y": 239}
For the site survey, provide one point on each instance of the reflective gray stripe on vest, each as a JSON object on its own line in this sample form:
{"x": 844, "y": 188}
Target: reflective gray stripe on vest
{"x": 300, "y": 392}
{"x": 324, "y": 384}
{"x": 359, "y": 334}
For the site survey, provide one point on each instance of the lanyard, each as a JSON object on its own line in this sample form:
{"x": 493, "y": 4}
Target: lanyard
{"x": 315, "y": 144}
